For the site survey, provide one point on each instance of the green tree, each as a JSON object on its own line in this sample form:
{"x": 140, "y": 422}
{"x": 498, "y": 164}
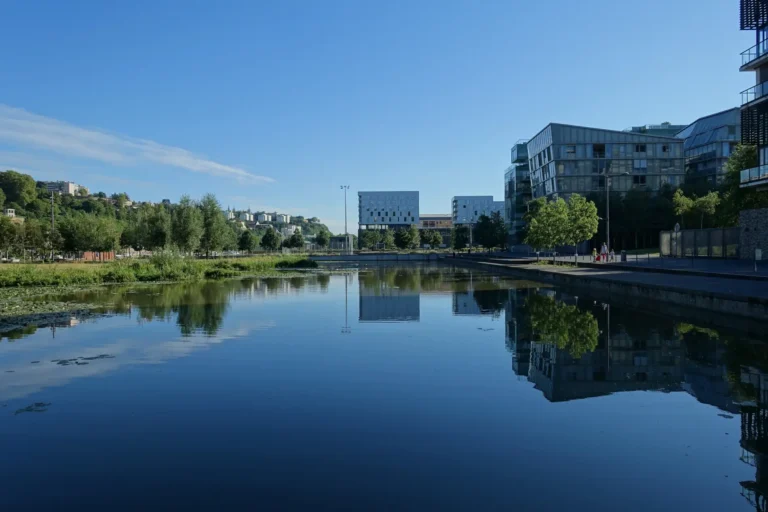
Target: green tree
{"x": 403, "y": 238}
{"x": 100, "y": 195}
{"x": 156, "y": 228}
{"x": 683, "y": 205}
{"x": 323, "y": 238}
{"x": 459, "y": 237}
{"x": 433, "y": 238}
{"x": 387, "y": 238}
{"x": 2, "y": 198}
{"x": 548, "y": 228}
{"x": 415, "y": 238}
{"x": 7, "y": 234}
{"x": 706, "y": 205}
{"x": 296, "y": 240}
{"x": 247, "y": 242}
{"x": 18, "y": 188}
{"x": 370, "y": 239}
{"x": 187, "y": 225}
{"x": 582, "y": 220}
{"x": 214, "y": 225}
{"x": 532, "y": 208}
{"x": 484, "y": 232}
{"x": 734, "y": 198}
{"x": 271, "y": 240}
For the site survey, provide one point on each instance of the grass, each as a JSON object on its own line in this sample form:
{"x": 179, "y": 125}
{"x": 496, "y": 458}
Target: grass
{"x": 161, "y": 267}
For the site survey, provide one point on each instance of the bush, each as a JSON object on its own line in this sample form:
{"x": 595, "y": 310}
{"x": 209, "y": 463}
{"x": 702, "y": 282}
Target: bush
{"x": 161, "y": 267}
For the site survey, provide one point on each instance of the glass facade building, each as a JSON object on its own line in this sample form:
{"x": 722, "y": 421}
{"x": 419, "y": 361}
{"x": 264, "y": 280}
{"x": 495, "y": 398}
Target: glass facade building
{"x": 517, "y": 192}
{"x": 708, "y": 142}
{"x": 565, "y": 159}
{"x": 754, "y": 101}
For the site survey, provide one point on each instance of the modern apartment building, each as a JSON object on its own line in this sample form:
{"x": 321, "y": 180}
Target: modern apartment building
{"x": 565, "y": 159}
{"x": 707, "y": 145}
{"x": 265, "y": 217}
{"x": 387, "y": 210}
{"x": 754, "y": 101}
{"x": 440, "y": 222}
{"x": 517, "y": 192}
{"x": 245, "y": 216}
{"x": 282, "y": 218}
{"x": 64, "y": 187}
{"x": 469, "y": 209}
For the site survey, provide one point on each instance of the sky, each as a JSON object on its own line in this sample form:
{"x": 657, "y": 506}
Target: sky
{"x": 274, "y": 105}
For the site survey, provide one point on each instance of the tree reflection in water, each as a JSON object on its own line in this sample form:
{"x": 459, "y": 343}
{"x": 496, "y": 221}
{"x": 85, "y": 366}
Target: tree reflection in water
{"x": 563, "y": 325}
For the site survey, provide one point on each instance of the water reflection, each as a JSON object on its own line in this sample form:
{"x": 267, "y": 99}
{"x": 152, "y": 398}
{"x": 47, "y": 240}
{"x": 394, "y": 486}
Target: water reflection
{"x": 564, "y": 347}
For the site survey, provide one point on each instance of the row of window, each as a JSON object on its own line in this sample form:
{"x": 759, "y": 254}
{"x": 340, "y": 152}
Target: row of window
{"x": 600, "y": 151}
{"x": 384, "y": 214}
{"x": 393, "y": 219}
{"x": 724, "y": 148}
{"x": 597, "y": 184}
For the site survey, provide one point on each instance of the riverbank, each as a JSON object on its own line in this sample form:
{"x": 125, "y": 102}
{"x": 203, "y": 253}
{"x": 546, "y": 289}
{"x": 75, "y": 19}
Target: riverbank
{"x": 159, "y": 268}
{"x": 740, "y": 297}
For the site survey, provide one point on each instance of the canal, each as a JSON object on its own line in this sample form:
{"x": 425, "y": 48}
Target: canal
{"x": 380, "y": 388}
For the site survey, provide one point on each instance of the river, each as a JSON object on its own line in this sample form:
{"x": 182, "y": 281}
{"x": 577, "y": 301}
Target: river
{"x": 383, "y": 388}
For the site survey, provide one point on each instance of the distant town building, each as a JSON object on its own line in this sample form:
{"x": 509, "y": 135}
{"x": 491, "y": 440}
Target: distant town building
{"x": 387, "y": 210}
{"x": 665, "y": 129}
{"x": 230, "y": 215}
{"x": 708, "y": 143}
{"x": 282, "y": 218}
{"x": 440, "y": 222}
{"x": 341, "y": 243}
{"x": 245, "y": 216}
{"x": 565, "y": 159}
{"x": 64, "y": 187}
{"x": 290, "y": 230}
{"x": 469, "y": 209}
{"x": 517, "y": 192}
{"x": 265, "y": 217}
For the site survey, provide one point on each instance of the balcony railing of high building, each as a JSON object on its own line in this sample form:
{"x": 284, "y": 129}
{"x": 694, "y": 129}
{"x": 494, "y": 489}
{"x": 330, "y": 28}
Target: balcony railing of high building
{"x": 754, "y": 93}
{"x": 754, "y": 53}
{"x": 754, "y": 174}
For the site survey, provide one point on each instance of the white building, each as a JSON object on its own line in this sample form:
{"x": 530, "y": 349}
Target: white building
{"x": 230, "y": 215}
{"x": 468, "y": 209}
{"x": 10, "y": 212}
{"x": 64, "y": 187}
{"x": 265, "y": 217}
{"x": 387, "y": 210}
{"x": 283, "y": 218}
{"x": 245, "y": 217}
{"x": 289, "y": 231}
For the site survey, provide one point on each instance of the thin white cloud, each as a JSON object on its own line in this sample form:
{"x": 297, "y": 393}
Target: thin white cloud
{"x": 17, "y": 126}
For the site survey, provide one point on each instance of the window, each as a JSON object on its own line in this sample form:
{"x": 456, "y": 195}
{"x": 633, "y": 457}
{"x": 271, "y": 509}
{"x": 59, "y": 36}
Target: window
{"x": 664, "y": 148}
{"x": 549, "y": 153}
{"x": 464, "y": 206}
{"x": 412, "y": 219}
{"x": 598, "y": 150}
{"x": 641, "y": 164}
{"x": 731, "y": 129}
{"x": 570, "y": 151}
{"x": 475, "y": 213}
{"x": 639, "y": 148}
{"x": 638, "y": 180}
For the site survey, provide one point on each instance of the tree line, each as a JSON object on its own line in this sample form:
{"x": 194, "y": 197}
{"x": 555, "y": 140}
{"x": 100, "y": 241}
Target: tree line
{"x": 101, "y": 224}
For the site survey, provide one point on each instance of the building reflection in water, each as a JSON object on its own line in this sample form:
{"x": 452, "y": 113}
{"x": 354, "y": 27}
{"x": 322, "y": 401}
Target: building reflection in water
{"x": 389, "y": 294}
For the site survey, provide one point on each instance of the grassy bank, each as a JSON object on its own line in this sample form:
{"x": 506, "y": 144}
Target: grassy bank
{"x": 156, "y": 269}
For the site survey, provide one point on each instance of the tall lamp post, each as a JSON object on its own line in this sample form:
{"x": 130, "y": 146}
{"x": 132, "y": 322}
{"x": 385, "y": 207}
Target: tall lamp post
{"x": 346, "y": 233}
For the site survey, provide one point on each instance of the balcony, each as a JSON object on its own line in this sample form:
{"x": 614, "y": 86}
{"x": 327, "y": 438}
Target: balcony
{"x": 752, "y": 58}
{"x": 754, "y": 93}
{"x": 754, "y": 176}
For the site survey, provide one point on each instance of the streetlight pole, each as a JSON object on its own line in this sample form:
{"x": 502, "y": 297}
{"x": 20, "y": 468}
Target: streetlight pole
{"x": 346, "y": 233}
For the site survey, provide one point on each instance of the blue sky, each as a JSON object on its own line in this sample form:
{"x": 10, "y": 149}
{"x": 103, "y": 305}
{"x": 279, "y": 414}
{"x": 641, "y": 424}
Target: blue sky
{"x": 273, "y": 105}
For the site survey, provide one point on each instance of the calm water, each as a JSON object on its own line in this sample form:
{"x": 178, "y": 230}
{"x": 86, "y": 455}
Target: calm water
{"x": 391, "y": 388}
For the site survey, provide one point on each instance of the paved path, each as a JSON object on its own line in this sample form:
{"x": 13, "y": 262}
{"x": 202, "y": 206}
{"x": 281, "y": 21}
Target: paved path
{"x": 719, "y": 286}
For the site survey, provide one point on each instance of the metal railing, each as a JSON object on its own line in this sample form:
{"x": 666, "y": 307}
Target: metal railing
{"x": 700, "y": 243}
{"x": 754, "y": 174}
{"x": 753, "y": 93}
{"x": 755, "y": 52}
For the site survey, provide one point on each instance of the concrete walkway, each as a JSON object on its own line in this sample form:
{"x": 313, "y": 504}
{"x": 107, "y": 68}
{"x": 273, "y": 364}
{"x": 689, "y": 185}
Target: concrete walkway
{"x": 731, "y": 295}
